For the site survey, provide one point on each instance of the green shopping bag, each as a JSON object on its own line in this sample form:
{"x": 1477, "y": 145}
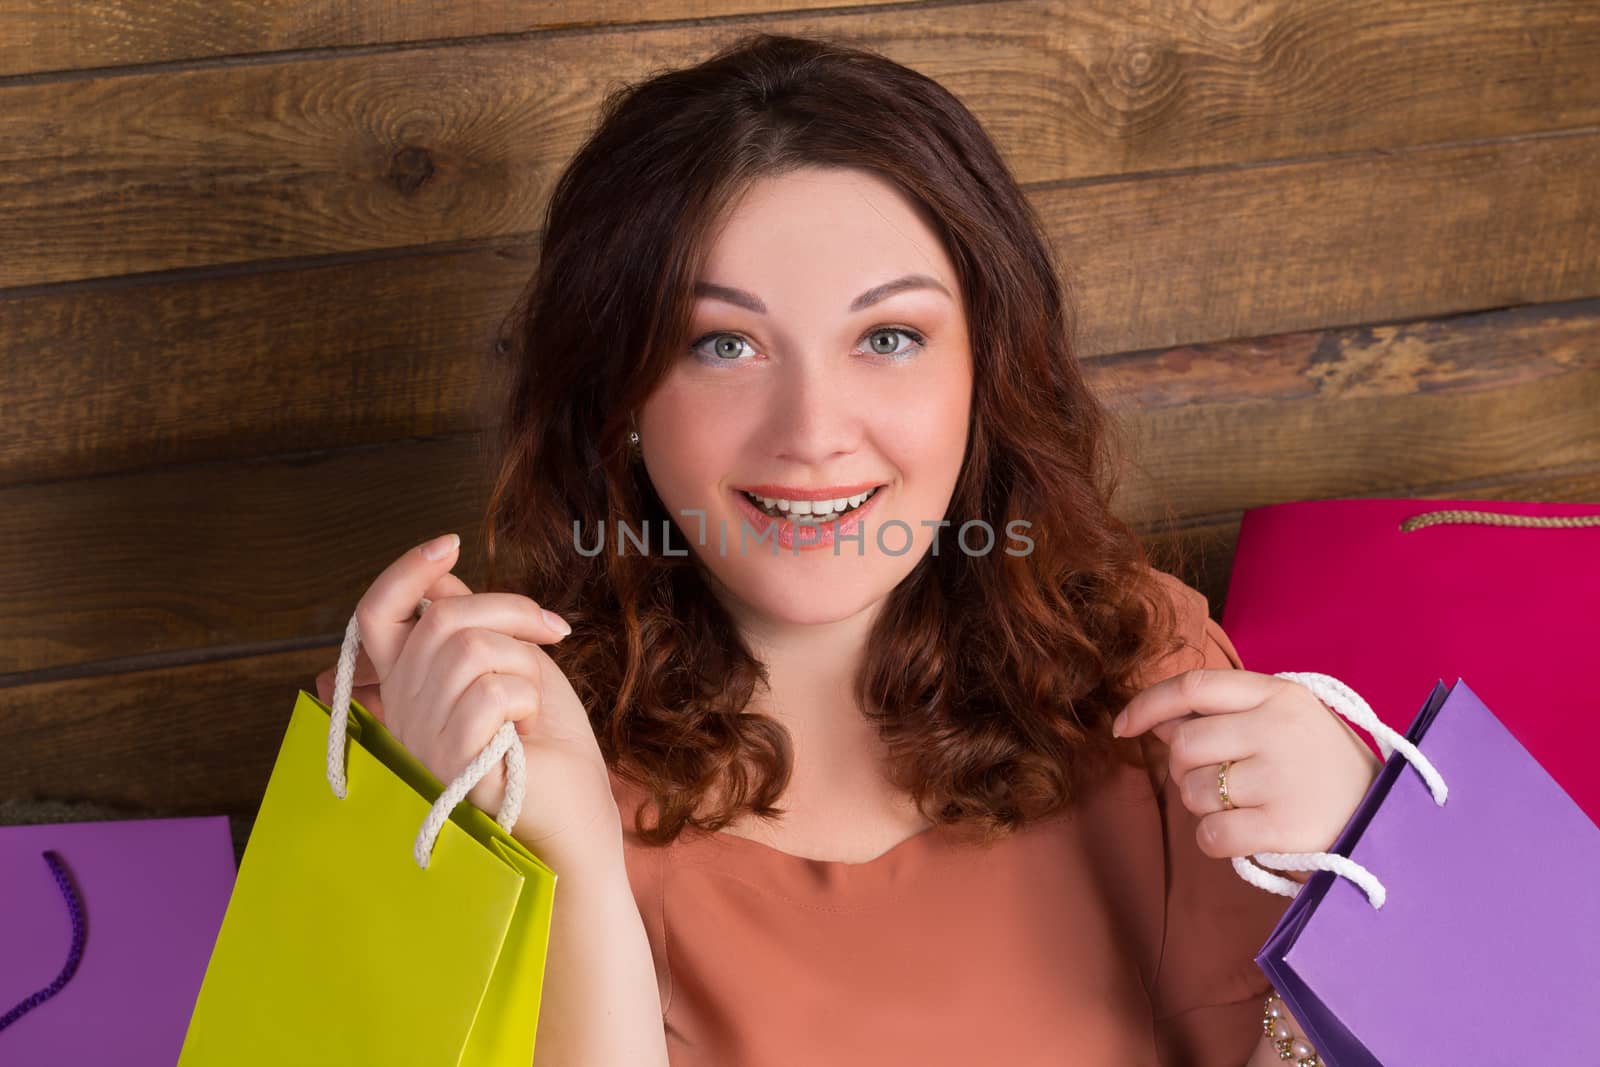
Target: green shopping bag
{"x": 341, "y": 945}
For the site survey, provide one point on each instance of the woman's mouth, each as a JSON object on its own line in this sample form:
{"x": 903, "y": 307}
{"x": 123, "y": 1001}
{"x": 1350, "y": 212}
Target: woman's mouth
{"x": 809, "y": 512}
{"x": 802, "y": 525}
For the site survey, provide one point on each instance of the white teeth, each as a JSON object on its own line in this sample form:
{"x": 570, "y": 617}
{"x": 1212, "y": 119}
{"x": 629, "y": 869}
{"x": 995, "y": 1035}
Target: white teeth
{"x": 812, "y": 511}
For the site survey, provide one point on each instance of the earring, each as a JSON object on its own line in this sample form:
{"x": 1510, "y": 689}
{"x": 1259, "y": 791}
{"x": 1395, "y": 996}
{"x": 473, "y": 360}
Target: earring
{"x": 633, "y": 443}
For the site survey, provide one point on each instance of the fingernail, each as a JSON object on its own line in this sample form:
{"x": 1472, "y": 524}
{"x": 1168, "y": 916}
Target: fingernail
{"x": 557, "y": 623}
{"x": 440, "y": 547}
{"x": 1119, "y": 725}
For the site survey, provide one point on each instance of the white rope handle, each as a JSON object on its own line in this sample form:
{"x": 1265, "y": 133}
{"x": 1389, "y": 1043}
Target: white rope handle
{"x": 505, "y": 745}
{"x": 1344, "y": 700}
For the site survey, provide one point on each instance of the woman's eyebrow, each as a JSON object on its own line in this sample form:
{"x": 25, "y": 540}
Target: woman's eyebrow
{"x": 751, "y": 302}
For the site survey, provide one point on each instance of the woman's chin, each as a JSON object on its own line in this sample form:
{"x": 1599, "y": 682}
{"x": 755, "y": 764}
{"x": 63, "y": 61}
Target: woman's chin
{"x": 787, "y": 616}
{"x": 803, "y": 602}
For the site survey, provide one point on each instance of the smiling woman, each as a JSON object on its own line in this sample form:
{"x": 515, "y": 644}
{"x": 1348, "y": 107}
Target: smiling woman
{"x": 804, "y": 406}
{"x": 793, "y": 295}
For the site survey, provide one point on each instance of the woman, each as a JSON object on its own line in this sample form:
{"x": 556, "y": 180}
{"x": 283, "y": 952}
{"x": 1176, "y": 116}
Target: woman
{"x": 804, "y": 499}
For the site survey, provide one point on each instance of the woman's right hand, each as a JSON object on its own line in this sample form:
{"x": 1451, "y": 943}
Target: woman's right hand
{"x": 447, "y": 681}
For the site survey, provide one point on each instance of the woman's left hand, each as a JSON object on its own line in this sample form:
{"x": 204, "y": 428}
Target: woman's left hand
{"x": 1298, "y": 770}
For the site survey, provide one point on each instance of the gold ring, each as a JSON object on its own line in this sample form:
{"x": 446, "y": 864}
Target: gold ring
{"x": 1222, "y": 785}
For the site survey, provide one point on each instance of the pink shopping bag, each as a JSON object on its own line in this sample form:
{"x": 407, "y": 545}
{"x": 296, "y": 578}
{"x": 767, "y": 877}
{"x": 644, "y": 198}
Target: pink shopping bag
{"x": 1394, "y": 596}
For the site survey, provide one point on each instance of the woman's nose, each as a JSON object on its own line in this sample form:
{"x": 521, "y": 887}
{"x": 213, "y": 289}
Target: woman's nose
{"x": 814, "y": 417}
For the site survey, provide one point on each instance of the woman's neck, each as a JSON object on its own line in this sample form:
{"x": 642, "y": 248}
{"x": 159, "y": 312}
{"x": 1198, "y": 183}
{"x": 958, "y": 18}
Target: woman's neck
{"x": 811, "y": 671}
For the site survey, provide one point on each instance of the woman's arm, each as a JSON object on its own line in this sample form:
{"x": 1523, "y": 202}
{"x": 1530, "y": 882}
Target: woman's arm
{"x": 600, "y": 1006}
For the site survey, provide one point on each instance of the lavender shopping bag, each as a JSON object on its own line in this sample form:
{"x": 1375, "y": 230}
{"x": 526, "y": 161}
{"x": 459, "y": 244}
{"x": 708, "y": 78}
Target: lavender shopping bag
{"x": 105, "y": 929}
{"x": 1462, "y": 925}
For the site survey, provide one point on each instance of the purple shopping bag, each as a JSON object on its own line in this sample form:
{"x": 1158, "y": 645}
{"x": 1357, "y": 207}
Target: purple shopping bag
{"x": 103, "y": 950}
{"x": 1486, "y": 947}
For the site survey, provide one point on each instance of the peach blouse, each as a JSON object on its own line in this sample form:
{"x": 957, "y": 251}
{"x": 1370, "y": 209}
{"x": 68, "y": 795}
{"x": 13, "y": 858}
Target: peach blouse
{"x": 1100, "y": 936}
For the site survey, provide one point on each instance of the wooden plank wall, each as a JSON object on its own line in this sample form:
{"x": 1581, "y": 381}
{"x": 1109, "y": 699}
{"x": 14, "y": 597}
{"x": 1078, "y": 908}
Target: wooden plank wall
{"x": 253, "y": 259}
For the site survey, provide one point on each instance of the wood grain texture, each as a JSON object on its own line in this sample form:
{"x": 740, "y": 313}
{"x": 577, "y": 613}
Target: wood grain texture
{"x": 1215, "y": 255}
{"x": 226, "y": 556}
{"x": 365, "y": 352}
{"x": 1356, "y": 412}
{"x": 248, "y": 552}
{"x": 38, "y": 36}
{"x": 195, "y": 739}
{"x": 172, "y": 169}
{"x": 122, "y": 377}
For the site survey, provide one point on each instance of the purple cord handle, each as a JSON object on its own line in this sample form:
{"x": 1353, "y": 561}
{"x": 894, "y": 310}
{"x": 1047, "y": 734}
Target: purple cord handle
{"x": 74, "y": 956}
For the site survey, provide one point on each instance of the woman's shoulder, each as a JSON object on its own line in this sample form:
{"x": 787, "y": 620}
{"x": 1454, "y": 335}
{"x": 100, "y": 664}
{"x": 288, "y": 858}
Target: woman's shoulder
{"x": 1190, "y": 604}
{"x": 1199, "y": 640}
{"x": 631, "y": 797}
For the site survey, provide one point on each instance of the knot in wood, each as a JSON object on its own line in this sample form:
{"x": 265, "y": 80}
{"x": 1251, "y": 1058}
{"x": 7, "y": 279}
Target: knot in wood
{"x": 1137, "y": 64}
{"x": 410, "y": 169}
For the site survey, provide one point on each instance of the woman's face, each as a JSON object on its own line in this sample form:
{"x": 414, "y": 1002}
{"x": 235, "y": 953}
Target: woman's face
{"x": 829, "y": 352}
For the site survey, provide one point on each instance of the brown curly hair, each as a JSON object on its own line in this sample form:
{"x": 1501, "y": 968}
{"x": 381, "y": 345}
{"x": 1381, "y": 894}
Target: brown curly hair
{"x": 992, "y": 678}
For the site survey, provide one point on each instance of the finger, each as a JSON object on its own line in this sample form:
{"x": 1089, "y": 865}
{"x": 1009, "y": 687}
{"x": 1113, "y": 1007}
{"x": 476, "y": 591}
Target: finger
{"x": 365, "y": 677}
{"x": 1204, "y": 691}
{"x": 447, "y": 585}
{"x": 1242, "y": 832}
{"x": 471, "y": 653}
{"x": 365, "y": 674}
{"x": 365, "y": 695}
{"x": 388, "y": 609}
{"x": 489, "y": 702}
{"x": 1166, "y": 730}
{"x": 1207, "y": 740}
{"x": 1201, "y": 794}
{"x": 369, "y": 697}
{"x": 511, "y": 614}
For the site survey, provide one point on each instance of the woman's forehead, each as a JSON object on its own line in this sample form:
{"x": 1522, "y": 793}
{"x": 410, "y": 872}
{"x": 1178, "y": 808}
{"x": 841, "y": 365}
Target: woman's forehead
{"x": 822, "y": 237}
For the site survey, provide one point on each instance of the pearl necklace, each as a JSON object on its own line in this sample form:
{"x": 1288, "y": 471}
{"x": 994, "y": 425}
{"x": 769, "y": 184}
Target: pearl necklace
{"x": 1273, "y": 1016}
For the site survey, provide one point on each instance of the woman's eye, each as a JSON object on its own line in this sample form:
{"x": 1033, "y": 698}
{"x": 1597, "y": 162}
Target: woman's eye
{"x": 893, "y": 351}
{"x": 728, "y": 347}
{"x": 725, "y": 350}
